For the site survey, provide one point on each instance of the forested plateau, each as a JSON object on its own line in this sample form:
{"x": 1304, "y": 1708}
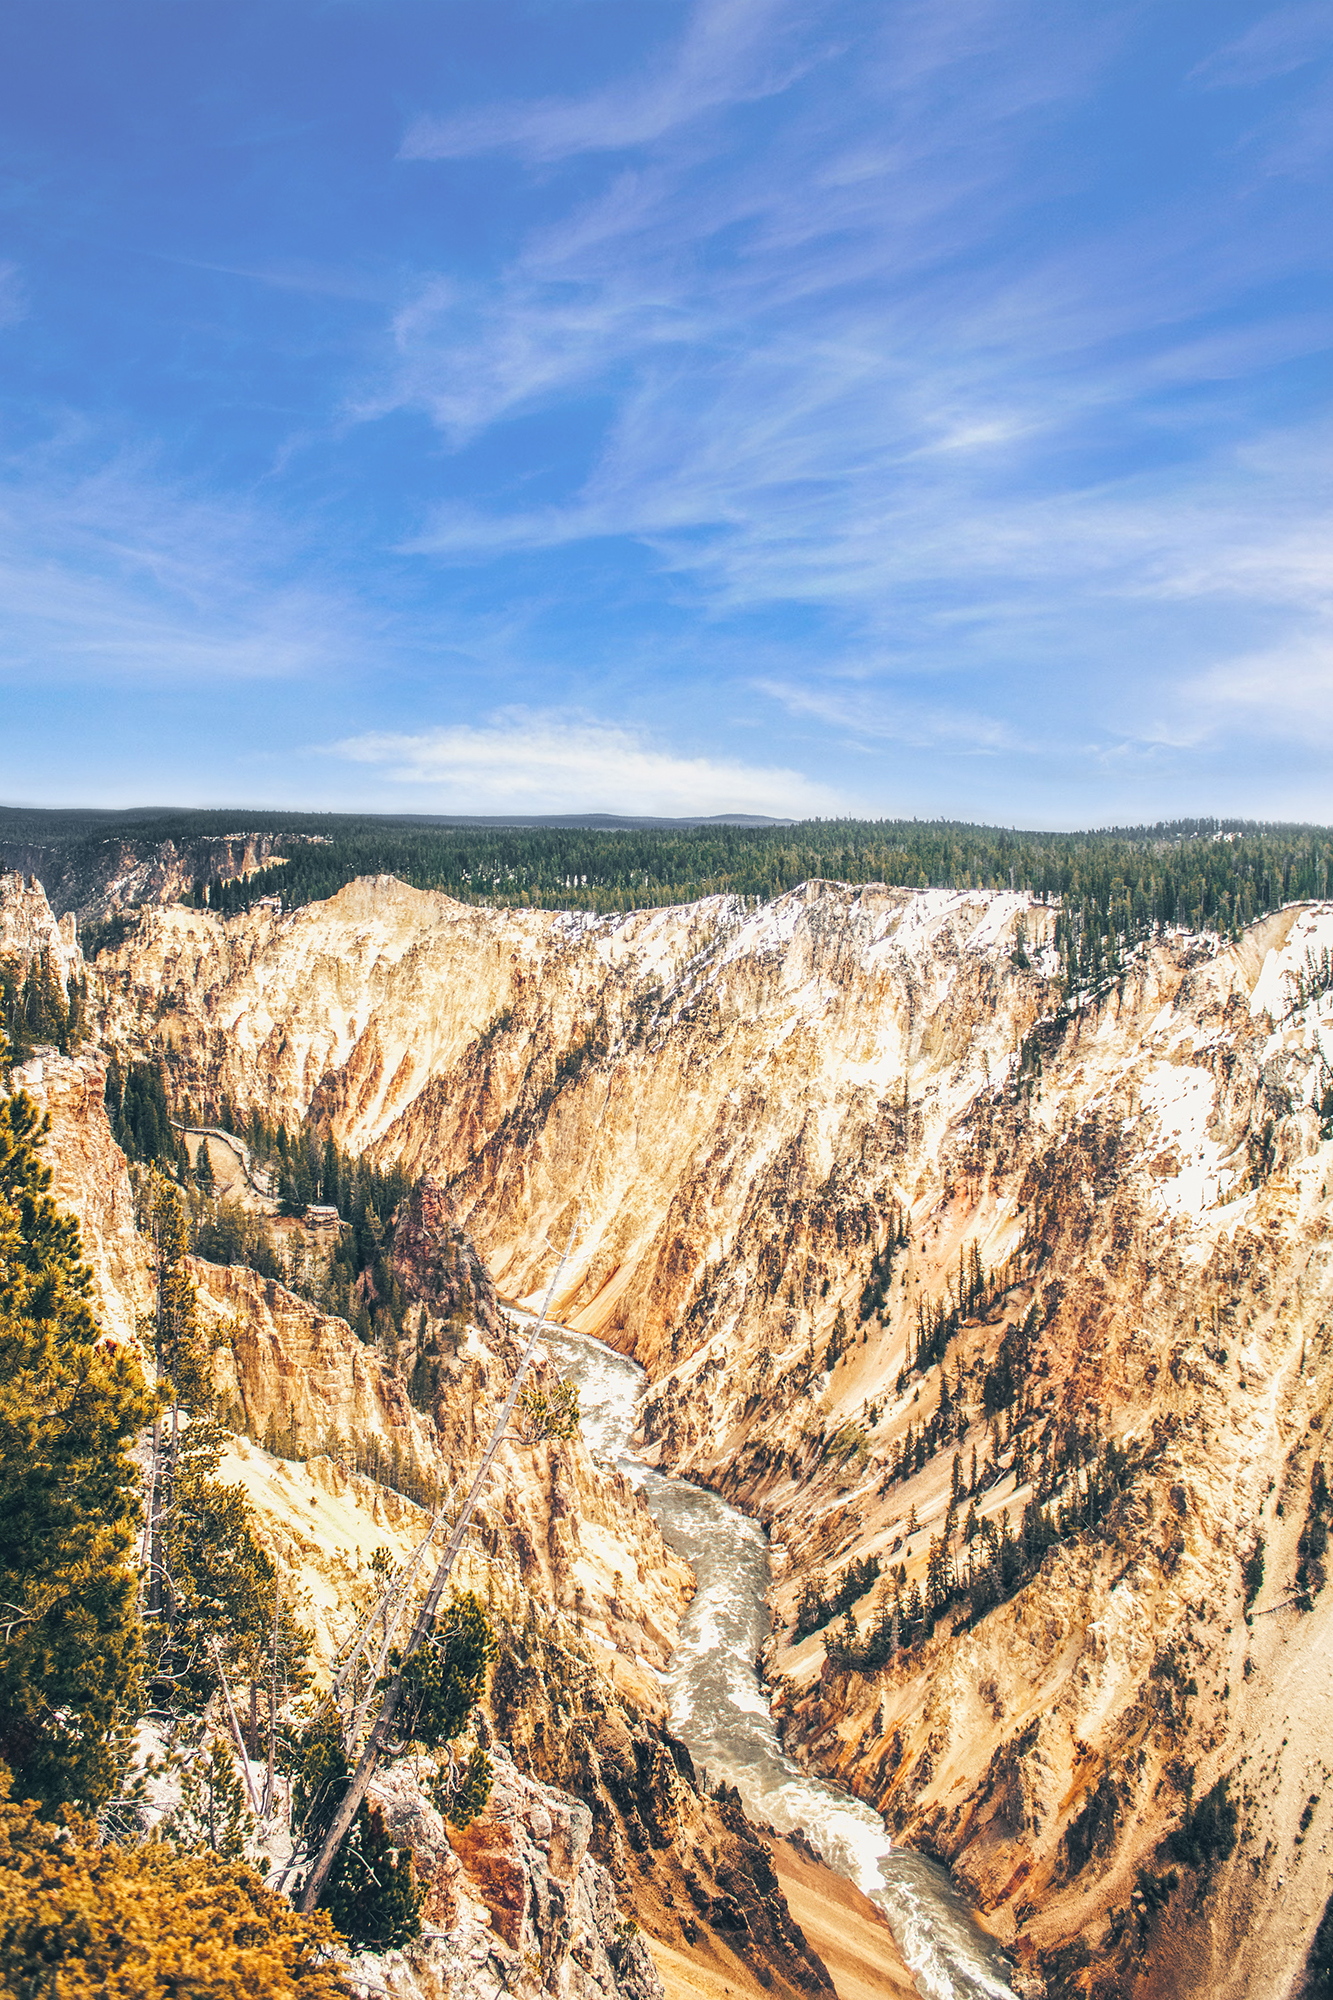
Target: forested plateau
{"x": 973, "y": 1238}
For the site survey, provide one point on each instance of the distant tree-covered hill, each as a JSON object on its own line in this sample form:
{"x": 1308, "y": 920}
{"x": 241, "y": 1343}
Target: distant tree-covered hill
{"x": 1116, "y": 885}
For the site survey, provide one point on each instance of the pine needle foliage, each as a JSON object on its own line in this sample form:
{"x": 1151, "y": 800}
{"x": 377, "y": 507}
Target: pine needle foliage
{"x": 70, "y": 1403}
{"x": 37, "y": 1008}
{"x": 371, "y": 1895}
{"x": 445, "y": 1678}
{"x": 144, "y": 1923}
{"x": 462, "y": 1792}
{"x": 373, "y": 1898}
{"x": 549, "y": 1415}
{"x": 220, "y": 1588}
{"x": 140, "y": 1114}
{"x": 211, "y": 1809}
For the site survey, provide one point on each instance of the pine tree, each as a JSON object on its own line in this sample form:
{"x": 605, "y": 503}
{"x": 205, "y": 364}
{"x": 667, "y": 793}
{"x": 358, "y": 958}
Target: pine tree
{"x": 172, "y": 1328}
{"x": 211, "y": 1809}
{"x": 69, "y": 1495}
{"x": 371, "y": 1895}
{"x": 373, "y": 1898}
{"x": 937, "y": 1575}
{"x": 83, "y": 1919}
{"x": 222, "y": 1587}
{"x": 182, "y": 1358}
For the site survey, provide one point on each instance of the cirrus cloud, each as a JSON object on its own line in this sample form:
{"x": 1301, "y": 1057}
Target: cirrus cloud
{"x": 529, "y": 761}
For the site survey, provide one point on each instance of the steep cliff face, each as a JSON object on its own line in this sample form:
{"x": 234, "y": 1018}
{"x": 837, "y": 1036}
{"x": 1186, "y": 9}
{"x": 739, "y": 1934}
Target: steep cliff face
{"x": 516, "y": 1901}
{"x": 89, "y": 881}
{"x": 677, "y": 1072}
{"x": 281, "y": 1365}
{"x": 437, "y": 1263}
{"x": 91, "y": 1181}
{"x": 28, "y": 929}
{"x": 697, "y": 1875}
{"x": 519, "y": 1898}
{"x": 816, "y": 1146}
{"x": 577, "y": 1531}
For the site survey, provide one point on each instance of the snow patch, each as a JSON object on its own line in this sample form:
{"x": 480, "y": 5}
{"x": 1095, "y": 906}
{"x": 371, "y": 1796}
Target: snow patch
{"x": 1274, "y": 989}
{"x": 1180, "y": 1100}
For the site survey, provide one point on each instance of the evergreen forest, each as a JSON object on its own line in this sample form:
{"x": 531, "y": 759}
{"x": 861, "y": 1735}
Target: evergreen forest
{"x": 1116, "y": 885}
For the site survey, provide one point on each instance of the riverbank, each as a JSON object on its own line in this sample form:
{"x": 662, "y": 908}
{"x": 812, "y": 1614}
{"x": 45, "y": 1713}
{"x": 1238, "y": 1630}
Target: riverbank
{"x": 715, "y": 1704}
{"x": 840, "y": 1924}
{"x": 850, "y": 1934}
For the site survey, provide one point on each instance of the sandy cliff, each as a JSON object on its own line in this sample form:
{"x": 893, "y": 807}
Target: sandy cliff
{"x": 747, "y": 1105}
{"x": 563, "y": 1548}
{"x": 28, "y": 928}
{"x": 91, "y": 1181}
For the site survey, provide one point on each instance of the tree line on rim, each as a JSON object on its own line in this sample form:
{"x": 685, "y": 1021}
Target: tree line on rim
{"x": 1121, "y": 882}
{"x": 1119, "y": 886}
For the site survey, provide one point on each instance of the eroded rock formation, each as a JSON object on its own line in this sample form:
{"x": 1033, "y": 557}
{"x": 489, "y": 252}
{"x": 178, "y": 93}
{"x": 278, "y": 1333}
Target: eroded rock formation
{"x": 91, "y": 1181}
{"x": 747, "y": 1105}
{"x": 514, "y": 1900}
{"x": 555, "y": 1532}
{"x": 28, "y": 929}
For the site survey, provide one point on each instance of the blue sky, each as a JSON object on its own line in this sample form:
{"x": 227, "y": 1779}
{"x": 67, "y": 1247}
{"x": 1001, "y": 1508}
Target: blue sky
{"x": 548, "y": 405}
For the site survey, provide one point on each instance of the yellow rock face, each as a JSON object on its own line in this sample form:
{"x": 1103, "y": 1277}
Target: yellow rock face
{"x": 91, "y": 1181}
{"x": 738, "y": 1101}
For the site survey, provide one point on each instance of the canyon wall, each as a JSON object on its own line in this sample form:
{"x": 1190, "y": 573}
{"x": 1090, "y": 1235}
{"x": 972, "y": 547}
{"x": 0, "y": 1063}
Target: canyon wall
{"x": 579, "y": 1533}
{"x": 28, "y": 928}
{"x": 794, "y": 1140}
{"x": 564, "y": 1551}
{"x": 87, "y": 881}
{"x": 91, "y": 1181}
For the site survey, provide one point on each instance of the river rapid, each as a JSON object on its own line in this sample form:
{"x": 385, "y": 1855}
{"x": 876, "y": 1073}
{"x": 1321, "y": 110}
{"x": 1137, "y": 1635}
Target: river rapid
{"x": 717, "y": 1706}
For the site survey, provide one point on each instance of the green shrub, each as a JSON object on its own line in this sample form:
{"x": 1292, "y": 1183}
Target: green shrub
{"x": 371, "y": 1895}
{"x": 462, "y": 1794}
{"x": 444, "y": 1679}
{"x": 144, "y": 1923}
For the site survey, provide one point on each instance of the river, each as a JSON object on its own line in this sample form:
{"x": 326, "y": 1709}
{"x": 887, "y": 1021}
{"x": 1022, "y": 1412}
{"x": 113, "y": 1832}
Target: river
{"x": 717, "y": 1706}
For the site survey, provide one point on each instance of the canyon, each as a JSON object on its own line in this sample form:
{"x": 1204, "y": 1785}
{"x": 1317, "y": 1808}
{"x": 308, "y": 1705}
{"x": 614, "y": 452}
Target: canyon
{"x": 901, "y": 1232}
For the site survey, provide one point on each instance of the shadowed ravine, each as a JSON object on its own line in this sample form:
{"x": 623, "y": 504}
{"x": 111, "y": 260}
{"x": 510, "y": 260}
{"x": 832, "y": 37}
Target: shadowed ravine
{"x": 717, "y": 1705}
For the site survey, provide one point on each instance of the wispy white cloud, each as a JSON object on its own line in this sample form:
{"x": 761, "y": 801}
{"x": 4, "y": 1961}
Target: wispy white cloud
{"x": 732, "y": 52}
{"x": 524, "y": 761}
{"x": 471, "y": 359}
{"x": 1276, "y": 692}
{"x": 852, "y": 372}
{"x": 1280, "y": 41}
{"x": 857, "y": 395}
{"x": 13, "y": 295}
{"x": 111, "y": 571}
{"x": 1293, "y": 138}
{"x": 897, "y": 714}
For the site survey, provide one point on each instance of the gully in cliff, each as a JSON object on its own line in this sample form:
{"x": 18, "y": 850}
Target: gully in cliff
{"x": 383, "y": 1729}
